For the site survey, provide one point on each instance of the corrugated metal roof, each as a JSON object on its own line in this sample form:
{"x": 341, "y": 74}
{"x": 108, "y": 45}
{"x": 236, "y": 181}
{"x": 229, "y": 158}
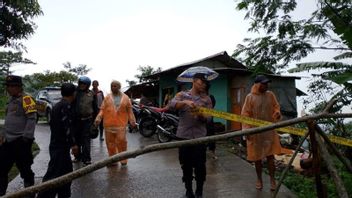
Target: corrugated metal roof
{"x": 231, "y": 65}
{"x": 221, "y": 57}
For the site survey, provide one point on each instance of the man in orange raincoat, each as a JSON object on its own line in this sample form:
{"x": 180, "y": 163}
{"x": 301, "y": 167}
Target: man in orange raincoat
{"x": 116, "y": 110}
{"x": 262, "y": 104}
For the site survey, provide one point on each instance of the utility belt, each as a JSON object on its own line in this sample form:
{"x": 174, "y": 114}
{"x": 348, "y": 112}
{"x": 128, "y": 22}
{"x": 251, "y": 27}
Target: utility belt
{"x": 85, "y": 117}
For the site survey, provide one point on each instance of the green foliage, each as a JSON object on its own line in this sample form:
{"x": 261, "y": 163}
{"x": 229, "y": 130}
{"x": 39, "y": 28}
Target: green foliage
{"x": 8, "y": 58}
{"x": 339, "y": 14}
{"x": 3, "y": 101}
{"x": 37, "y": 81}
{"x": 131, "y": 82}
{"x": 304, "y": 186}
{"x": 286, "y": 39}
{"x": 146, "y": 71}
{"x": 343, "y": 56}
{"x": 290, "y": 38}
{"x": 16, "y": 21}
{"x": 79, "y": 70}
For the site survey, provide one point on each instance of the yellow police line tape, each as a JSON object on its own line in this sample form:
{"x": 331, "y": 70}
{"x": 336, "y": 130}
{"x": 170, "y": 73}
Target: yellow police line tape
{"x": 259, "y": 123}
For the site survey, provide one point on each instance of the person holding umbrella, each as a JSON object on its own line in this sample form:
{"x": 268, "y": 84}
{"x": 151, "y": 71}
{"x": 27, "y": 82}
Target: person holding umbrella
{"x": 192, "y": 126}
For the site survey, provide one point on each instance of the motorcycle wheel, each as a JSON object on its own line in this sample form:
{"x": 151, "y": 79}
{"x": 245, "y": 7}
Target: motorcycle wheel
{"x": 147, "y": 126}
{"x": 163, "y": 137}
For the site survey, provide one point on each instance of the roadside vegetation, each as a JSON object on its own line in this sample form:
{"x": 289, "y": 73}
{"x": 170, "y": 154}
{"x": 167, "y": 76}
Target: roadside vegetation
{"x": 304, "y": 185}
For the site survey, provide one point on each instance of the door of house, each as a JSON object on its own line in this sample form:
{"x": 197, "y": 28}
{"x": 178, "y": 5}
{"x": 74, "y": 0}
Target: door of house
{"x": 237, "y": 97}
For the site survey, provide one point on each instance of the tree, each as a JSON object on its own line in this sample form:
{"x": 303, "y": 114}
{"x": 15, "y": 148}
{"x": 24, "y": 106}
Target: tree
{"x": 8, "y": 58}
{"x": 288, "y": 39}
{"x": 37, "y": 81}
{"x": 146, "y": 71}
{"x": 16, "y": 21}
{"x": 79, "y": 70}
{"x": 131, "y": 82}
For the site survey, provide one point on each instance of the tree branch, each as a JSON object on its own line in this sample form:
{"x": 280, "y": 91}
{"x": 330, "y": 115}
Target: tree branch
{"x": 333, "y": 148}
{"x": 283, "y": 174}
{"x": 331, "y": 48}
{"x": 341, "y": 190}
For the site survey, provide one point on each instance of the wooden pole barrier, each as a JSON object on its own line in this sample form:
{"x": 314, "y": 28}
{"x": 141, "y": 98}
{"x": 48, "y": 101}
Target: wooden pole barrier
{"x": 341, "y": 190}
{"x": 320, "y": 189}
{"x": 287, "y": 168}
{"x": 334, "y": 149}
{"x": 157, "y": 147}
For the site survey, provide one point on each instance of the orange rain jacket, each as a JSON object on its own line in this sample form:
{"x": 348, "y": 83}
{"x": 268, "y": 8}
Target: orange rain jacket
{"x": 115, "y": 122}
{"x": 263, "y": 106}
{"x": 116, "y": 117}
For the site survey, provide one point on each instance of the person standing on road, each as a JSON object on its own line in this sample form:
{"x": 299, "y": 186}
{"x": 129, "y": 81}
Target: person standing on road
{"x": 86, "y": 110}
{"x": 191, "y": 126}
{"x": 116, "y": 112}
{"x": 100, "y": 97}
{"x": 17, "y": 137}
{"x": 61, "y": 141}
{"x": 262, "y": 104}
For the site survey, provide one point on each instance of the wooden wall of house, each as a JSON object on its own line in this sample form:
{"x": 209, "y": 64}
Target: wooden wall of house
{"x": 283, "y": 88}
{"x": 239, "y": 87}
{"x": 285, "y": 91}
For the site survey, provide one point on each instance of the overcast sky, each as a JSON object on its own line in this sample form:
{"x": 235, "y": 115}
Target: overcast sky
{"x": 114, "y": 37}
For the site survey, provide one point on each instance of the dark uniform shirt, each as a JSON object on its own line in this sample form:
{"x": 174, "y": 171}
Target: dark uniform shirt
{"x": 86, "y": 104}
{"x": 20, "y": 118}
{"x": 61, "y": 125}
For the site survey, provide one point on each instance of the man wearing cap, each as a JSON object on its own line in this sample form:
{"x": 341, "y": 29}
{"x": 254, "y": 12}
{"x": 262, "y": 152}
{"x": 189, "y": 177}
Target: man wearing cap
{"x": 262, "y": 104}
{"x": 18, "y": 134}
{"x": 192, "y": 126}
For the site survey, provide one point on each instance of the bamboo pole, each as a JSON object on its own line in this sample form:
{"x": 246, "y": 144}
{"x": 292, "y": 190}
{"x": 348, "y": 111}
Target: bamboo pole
{"x": 334, "y": 149}
{"x": 341, "y": 190}
{"x": 157, "y": 147}
{"x": 283, "y": 174}
{"x": 320, "y": 188}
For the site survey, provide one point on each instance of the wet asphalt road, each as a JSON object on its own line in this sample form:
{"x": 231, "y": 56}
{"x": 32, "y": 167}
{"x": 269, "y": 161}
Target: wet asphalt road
{"x": 156, "y": 174}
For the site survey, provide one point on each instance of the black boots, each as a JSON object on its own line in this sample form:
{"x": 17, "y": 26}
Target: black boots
{"x": 189, "y": 194}
{"x": 189, "y": 189}
{"x": 199, "y": 190}
{"x": 28, "y": 183}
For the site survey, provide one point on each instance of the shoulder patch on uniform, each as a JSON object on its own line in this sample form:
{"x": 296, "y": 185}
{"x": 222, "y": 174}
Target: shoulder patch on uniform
{"x": 28, "y": 104}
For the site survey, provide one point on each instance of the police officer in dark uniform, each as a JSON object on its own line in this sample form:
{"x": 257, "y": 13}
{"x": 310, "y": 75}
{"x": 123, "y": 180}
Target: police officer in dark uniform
{"x": 17, "y": 137}
{"x": 61, "y": 140}
{"x": 86, "y": 110}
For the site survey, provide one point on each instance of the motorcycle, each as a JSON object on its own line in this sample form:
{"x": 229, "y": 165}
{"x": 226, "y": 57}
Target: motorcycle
{"x": 163, "y": 124}
{"x": 167, "y": 127}
{"x": 147, "y": 123}
{"x": 138, "y": 113}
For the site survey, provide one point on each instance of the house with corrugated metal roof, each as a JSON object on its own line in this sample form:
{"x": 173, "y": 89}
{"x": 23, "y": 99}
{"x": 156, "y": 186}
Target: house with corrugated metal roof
{"x": 229, "y": 89}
